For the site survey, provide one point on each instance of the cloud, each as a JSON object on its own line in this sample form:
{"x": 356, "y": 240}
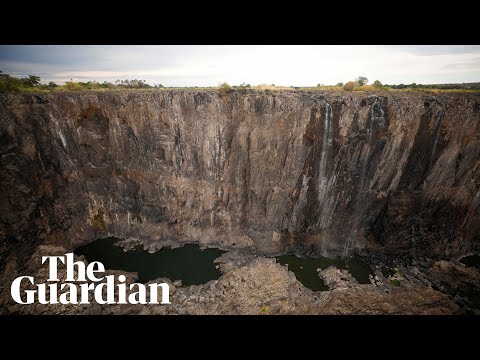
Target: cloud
{"x": 473, "y": 65}
{"x": 209, "y": 65}
{"x": 431, "y": 50}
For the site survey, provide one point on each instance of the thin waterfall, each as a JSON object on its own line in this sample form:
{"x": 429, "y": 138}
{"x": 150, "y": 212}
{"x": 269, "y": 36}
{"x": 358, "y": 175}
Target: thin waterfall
{"x": 326, "y": 144}
{"x": 376, "y": 109}
{"x": 349, "y": 242}
{"x": 438, "y": 131}
{"x": 376, "y": 117}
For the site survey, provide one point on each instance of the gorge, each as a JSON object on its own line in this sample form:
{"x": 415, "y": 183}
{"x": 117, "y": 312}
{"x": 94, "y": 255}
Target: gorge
{"x": 391, "y": 176}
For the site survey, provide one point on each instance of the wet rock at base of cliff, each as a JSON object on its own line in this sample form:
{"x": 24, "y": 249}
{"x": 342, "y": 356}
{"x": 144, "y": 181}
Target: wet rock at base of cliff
{"x": 336, "y": 278}
{"x": 233, "y": 259}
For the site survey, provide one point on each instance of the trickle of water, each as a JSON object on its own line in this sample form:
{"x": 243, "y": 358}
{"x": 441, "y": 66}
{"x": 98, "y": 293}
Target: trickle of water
{"x": 348, "y": 242}
{"x": 376, "y": 109}
{"x": 326, "y": 144}
{"x": 437, "y": 136}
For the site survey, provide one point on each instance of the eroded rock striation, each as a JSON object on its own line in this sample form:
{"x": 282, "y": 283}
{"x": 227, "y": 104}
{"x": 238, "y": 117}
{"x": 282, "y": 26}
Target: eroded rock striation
{"x": 328, "y": 172}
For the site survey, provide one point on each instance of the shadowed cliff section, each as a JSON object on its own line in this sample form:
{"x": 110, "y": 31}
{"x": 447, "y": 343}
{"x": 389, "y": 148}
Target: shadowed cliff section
{"x": 271, "y": 171}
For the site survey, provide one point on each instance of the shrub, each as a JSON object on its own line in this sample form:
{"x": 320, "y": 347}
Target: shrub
{"x": 265, "y": 309}
{"x": 377, "y": 84}
{"x": 106, "y": 85}
{"x": 349, "y": 86}
{"x": 133, "y": 84}
{"x": 73, "y": 86}
{"x": 224, "y": 87}
{"x": 394, "y": 282}
{"x": 10, "y": 84}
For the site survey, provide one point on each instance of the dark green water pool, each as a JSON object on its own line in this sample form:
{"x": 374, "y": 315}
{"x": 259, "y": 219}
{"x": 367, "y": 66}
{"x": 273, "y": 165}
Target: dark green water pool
{"x": 471, "y": 261}
{"x": 189, "y": 263}
{"x": 305, "y": 269}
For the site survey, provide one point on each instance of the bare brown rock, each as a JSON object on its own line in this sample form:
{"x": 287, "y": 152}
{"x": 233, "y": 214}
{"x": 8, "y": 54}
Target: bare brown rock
{"x": 459, "y": 281}
{"x": 364, "y": 300}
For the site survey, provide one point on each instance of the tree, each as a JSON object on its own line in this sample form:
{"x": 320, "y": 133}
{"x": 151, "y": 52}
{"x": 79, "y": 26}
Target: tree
{"x": 32, "y": 80}
{"x": 52, "y": 84}
{"x": 377, "y": 84}
{"x": 340, "y": 84}
{"x": 362, "y": 80}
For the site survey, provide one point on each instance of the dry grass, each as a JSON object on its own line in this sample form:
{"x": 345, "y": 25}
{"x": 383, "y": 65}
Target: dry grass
{"x": 262, "y": 87}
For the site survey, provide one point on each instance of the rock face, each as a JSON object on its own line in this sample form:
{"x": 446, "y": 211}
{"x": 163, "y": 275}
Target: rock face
{"x": 268, "y": 171}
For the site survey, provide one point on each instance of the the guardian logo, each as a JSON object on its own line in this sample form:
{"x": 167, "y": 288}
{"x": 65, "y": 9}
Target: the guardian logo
{"x": 71, "y": 293}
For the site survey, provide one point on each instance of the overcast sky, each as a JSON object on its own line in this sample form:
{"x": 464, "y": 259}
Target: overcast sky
{"x": 280, "y": 65}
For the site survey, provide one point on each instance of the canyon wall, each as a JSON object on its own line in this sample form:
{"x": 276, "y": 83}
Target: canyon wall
{"x": 326, "y": 172}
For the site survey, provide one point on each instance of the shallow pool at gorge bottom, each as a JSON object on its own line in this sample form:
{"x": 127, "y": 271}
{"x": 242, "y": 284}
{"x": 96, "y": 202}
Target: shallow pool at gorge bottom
{"x": 305, "y": 269}
{"x": 188, "y": 263}
{"x": 195, "y": 266}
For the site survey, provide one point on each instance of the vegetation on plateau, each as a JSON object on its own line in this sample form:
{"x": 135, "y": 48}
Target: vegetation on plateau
{"x": 32, "y": 83}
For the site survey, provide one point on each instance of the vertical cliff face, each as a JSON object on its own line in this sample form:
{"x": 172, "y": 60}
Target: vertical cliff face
{"x": 329, "y": 172}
